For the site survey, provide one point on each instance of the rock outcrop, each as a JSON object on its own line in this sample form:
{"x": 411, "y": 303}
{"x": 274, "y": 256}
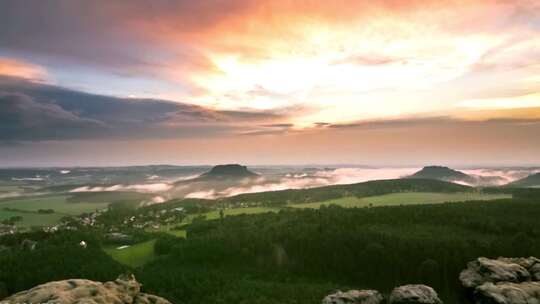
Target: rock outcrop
{"x": 484, "y": 270}
{"x": 414, "y": 294}
{"x": 354, "y": 297}
{"x": 508, "y": 293}
{"x": 407, "y": 294}
{"x": 503, "y": 280}
{"x": 124, "y": 290}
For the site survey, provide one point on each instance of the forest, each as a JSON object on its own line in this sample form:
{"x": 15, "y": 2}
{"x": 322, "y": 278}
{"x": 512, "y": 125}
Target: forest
{"x": 295, "y": 256}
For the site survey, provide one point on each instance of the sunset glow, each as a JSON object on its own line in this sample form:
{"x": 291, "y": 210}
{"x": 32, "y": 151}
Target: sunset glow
{"x": 287, "y": 68}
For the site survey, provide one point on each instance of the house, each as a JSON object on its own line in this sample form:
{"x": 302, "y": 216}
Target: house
{"x": 7, "y": 229}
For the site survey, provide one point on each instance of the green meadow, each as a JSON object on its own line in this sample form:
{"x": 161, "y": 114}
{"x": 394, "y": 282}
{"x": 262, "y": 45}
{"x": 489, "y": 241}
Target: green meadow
{"x": 27, "y": 208}
{"x": 406, "y": 198}
{"x": 135, "y": 255}
{"x": 58, "y": 203}
{"x": 212, "y": 215}
{"x": 63, "y": 204}
{"x": 31, "y": 219}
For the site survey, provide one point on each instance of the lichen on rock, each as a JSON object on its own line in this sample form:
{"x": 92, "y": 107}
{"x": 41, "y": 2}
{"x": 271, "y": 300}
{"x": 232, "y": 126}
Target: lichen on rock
{"x": 414, "y": 294}
{"x": 354, "y": 297}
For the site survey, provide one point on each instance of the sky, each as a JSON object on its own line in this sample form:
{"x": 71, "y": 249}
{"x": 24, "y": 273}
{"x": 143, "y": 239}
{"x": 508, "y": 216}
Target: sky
{"x": 376, "y": 82}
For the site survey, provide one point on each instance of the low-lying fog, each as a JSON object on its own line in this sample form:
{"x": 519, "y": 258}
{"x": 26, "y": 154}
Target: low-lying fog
{"x": 181, "y": 184}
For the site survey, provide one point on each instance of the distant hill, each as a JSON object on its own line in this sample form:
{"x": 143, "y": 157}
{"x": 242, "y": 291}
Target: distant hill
{"x": 210, "y": 184}
{"x": 443, "y": 173}
{"x": 532, "y": 180}
{"x": 228, "y": 171}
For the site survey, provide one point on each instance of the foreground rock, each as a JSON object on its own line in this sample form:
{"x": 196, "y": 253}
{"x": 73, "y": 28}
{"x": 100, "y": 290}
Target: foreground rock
{"x": 354, "y": 297}
{"x": 514, "y": 270}
{"x": 508, "y": 293}
{"x": 414, "y": 294}
{"x": 124, "y": 290}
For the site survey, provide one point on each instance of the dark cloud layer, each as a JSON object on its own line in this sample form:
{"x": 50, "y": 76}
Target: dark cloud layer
{"x": 34, "y": 112}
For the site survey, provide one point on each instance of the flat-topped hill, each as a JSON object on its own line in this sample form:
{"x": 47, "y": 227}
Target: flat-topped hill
{"x": 442, "y": 173}
{"x": 228, "y": 171}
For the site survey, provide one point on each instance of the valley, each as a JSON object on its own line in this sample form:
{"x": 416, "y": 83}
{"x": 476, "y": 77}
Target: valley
{"x": 268, "y": 237}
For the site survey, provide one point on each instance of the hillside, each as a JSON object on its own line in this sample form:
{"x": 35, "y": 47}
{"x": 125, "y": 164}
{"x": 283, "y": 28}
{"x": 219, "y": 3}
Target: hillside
{"x": 370, "y": 188}
{"x": 532, "y": 180}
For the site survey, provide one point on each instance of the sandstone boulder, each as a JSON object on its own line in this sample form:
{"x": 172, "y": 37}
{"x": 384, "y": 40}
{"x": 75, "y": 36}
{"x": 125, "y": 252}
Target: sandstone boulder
{"x": 354, "y": 297}
{"x": 124, "y": 290}
{"x": 414, "y": 294}
{"x": 508, "y": 293}
{"x": 484, "y": 270}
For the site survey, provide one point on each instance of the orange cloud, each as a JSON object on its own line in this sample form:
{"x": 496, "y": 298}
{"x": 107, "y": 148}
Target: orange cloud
{"x": 20, "y": 69}
{"x": 349, "y": 59}
{"x": 524, "y": 114}
{"x": 330, "y": 53}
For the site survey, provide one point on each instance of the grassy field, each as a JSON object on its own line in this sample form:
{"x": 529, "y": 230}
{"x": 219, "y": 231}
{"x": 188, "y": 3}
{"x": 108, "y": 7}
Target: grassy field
{"x": 108, "y": 196}
{"x": 58, "y": 203}
{"x": 66, "y": 204}
{"x": 135, "y": 255}
{"x": 31, "y": 219}
{"x": 409, "y": 198}
{"x": 169, "y": 229}
{"x": 9, "y": 188}
{"x": 237, "y": 211}
{"x": 212, "y": 215}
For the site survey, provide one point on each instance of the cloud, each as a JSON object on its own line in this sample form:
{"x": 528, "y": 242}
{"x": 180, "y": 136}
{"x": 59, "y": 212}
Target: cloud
{"x": 310, "y": 179}
{"x": 368, "y": 60}
{"x": 24, "y": 118}
{"x": 340, "y": 176}
{"x": 145, "y": 188}
{"x": 392, "y": 123}
{"x": 33, "y": 111}
{"x": 242, "y": 67}
{"x": 16, "y": 68}
{"x": 210, "y": 194}
{"x": 271, "y": 54}
{"x": 514, "y": 102}
{"x": 500, "y": 176}
{"x": 496, "y": 116}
